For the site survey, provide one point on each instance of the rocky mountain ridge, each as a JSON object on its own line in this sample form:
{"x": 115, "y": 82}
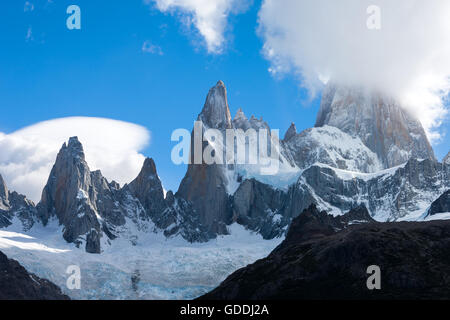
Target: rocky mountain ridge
{"x": 333, "y": 166}
{"x": 382, "y": 124}
{"x": 94, "y": 211}
{"x": 319, "y": 261}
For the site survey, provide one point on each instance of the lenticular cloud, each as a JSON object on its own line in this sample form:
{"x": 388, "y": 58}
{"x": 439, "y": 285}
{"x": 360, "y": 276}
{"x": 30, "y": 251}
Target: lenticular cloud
{"x": 408, "y": 58}
{"x": 112, "y": 146}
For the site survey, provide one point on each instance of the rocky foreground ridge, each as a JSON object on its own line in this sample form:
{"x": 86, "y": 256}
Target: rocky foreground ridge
{"x": 377, "y": 156}
{"x": 17, "y": 284}
{"x": 326, "y": 257}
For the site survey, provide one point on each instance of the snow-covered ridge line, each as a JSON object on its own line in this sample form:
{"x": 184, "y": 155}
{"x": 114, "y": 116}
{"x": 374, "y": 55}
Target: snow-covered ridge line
{"x": 350, "y": 175}
{"x": 330, "y": 166}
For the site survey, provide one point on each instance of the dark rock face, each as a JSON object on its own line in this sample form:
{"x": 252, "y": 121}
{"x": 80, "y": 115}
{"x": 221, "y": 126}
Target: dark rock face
{"x": 383, "y": 126}
{"x": 17, "y": 284}
{"x": 258, "y": 207}
{"x": 313, "y": 223}
{"x": 3, "y": 194}
{"x": 388, "y": 195}
{"x": 23, "y": 209}
{"x": 216, "y": 113}
{"x": 14, "y": 205}
{"x": 71, "y": 195}
{"x": 205, "y": 186}
{"x": 172, "y": 214}
{"x": 330, "y": 146}
{"x": 342, "y": 143}
{"x": 336, "y": 165}
{"x": 147, "y": 188}
{"x": 94, "y": 211}
{"x": 83, "y": 201}
{"x": 318, "y": 261}
{"x": 291, "y": 132}
{"x": 4, "y": 204}
{"x": 93, "y": 242}
{"x": 447, "y": 159}
{"x": 441, "y": 205}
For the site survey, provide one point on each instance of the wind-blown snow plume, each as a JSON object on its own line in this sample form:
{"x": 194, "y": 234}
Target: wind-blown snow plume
{"x": 112, "y": 146}
{"x": 208, "y": 16}
{"x": 408, "y": 58}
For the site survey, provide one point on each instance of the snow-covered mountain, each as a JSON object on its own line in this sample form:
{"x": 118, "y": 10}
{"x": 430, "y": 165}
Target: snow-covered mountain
{"x": 94, "y": 212}
{"x": 210, "y": 187}
{"x": 379, "y": 121}
{"x": 447, "y": 159}
{"x": 14, "y": 205}
{"x": 345, "y": 161}
{"x": 331, "y": 146}
{"x": 375, "y": 155}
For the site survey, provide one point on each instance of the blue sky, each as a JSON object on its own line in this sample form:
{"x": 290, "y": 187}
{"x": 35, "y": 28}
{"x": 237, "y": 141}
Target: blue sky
{"x": 48, "y": 71}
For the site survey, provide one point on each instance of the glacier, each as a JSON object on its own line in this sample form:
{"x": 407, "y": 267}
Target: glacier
{"x": 154, "y": 268}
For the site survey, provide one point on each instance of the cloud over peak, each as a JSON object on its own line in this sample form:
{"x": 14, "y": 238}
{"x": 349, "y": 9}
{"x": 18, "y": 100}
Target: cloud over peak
{"x": 110, "y": 145}
{"x": 406, "y": 59}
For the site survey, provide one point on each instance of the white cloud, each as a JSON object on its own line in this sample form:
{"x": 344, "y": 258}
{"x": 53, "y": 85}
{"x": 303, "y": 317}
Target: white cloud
{"x": 29, "y": 35}
{"x": 112, "y": 146}
{"x": 28, "y": 7}
{"x": 208, "y": 16}
{"x": 408, "y": 58}
{"x": 148, "y": 47}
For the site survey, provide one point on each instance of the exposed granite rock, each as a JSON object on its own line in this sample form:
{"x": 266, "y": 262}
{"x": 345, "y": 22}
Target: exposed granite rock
{"x": 441, "y": 204}
{"x": 331, "y": 166}
{"x": 93, "y": 242}
{"x": 388, "y": 195}
{"x": 147, "y": 188}
{"x": 4, "y": 204}
{"x": 258, "y": 207}
{"x": 380, "y": 122}
{"x": 94, "y": 212}
{"x": 187, "y": 223}
{"x": 318, "y": 261}
{"x": 173, "y": 215}
{"x": 291, "y": 132}
{"x": 17, "y": 284}
{"x": 215, "y": 113}
{"x": 14, "y": 205}
{"x": 23, "y": 209}
{"x": 4, "y": 193}
{"x": 90, "y": 209}
{"x": 331, "y": 146}
{"x": 205, "y": 186}
{"x": 447, "y": 159}
{"x": 219, "y": 194}
{"x": 70, "y": 194}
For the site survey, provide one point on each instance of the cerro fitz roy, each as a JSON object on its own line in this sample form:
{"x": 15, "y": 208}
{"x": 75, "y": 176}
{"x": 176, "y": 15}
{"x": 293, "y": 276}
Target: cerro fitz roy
{"x": 218, "y": 142}
{"x": 365, "y": 150}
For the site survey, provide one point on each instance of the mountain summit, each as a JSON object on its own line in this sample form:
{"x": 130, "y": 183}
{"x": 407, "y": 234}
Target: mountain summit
{"x": 205, "y": 186}
{"x": 3, "y": 194}
{"x": 216, "y": 113}
{"x": 336, "y": 166}
{"x": 447, "y": 158}
{"x": 380, "y": 122}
